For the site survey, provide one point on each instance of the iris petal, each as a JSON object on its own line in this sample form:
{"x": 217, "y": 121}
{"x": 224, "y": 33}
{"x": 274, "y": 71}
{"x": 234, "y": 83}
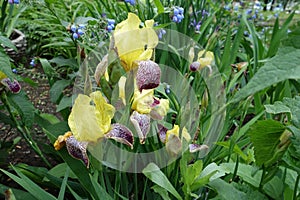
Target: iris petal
{"x": 196, "y": 147}
{"x": 77, "y": 149}
{"x": 132, "y": 49}
{"x": 90, "y": 122}
{"x": 148, "y": 75}
{"x": 121, "y": 134}
{"x": 141, "y": 124}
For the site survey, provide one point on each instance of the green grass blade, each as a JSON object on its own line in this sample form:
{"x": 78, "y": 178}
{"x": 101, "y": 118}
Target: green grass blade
{"x": 63, "y": 185}
{"x": 29, "y": 185}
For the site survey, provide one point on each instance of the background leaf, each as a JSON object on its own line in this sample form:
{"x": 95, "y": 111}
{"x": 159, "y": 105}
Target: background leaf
{"x": 281, "y": 67}
{"x": 265, "y": 136}
{"x": 157, "y": 176}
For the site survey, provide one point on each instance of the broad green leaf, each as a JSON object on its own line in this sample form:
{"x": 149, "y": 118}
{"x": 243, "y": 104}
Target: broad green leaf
{"x": 159, "y": 6}
{"x": 65, "y": 102}
{"x": 252, "y": 193}
{"x": 247, "y": 173}
{"x": 50, "y": 118}
{"x": 294, "y": 105}
{"x": 281, "y": 67}
{"x": 6, "y": 42}
{"x": 60, "y": 61}
{"x": 213, "y": 168}
{"x": 24, "y": 107}
{"x": 226, "y": 190}
{"x": 60, "y": 170}
{"x": 29, "y": 185}
{"x": 57, "y": 89}
{"x": 157, "y": 176}
{"x": 277, "y": 107}
{"x": 161, "y": 191}
{"x": 48, "y": 69}
{"x": 5, "y": 65}
{"x": 274, "y": 188}
{"x": 266, "y": 138}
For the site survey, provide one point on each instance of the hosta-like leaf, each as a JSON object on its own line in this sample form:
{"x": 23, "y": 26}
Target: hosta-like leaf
{"x": 266, "y": 138}
{"x": 283, "y": 66}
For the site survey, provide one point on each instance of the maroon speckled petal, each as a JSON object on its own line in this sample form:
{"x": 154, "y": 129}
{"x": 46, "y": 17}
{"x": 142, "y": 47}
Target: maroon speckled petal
{"x": 77, "y": 149}
{"x": 162, "y": 132}
{"x": 141, "y": 123}
{"x": 148, "y": 75}
{"x": 196, "y": 147}
{"x": 121, "y": 134}
{"x": 13, "y": 86}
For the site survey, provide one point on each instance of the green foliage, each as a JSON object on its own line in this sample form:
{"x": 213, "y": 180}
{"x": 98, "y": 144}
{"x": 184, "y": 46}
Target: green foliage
{"x": 153, "y": 172}
{"x": 266, "y": 137}
{"x": 254, "y": 72}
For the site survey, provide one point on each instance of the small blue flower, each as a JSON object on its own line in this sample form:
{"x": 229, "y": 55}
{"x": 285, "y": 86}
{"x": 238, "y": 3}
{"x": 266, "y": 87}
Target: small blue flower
{"x": 15, "y": 71}
{"x": 110, "y": 25}
{"x": 13, "y": 1}
{"x": 32, "y": 62}
{"x": 178, "y": 14}
{"x": 161, "y": 33}
{"x": 75, "y": 36}
{"x": 73, "y": 28}
{"x": 81, "y": 26}
{"x": 131, "y": 2}
{"x": 80, "y": 31}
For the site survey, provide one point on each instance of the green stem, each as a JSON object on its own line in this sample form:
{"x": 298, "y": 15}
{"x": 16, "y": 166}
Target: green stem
{"x": 262, "y": 178}
{"x": 236, "y": 167}
{"x": 23, "y": 130}
{"x": 296, "y": 187}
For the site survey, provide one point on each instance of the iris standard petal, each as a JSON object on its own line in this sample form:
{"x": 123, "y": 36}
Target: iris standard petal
{"x": 142, "y": 101}
{"x": 141, "y": 124}
{"x": 205, "y": 58}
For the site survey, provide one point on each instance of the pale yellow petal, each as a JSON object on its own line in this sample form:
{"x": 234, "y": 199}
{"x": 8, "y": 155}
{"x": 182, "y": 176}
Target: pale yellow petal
{"x": 104, "y": 111}
{"x": 142, "y": 101}
{"x": 83, "y": 120}
{"x": 131, "y": 41}
{"x": 149, "y": 23}
{"x": 205, "y": 58}
{"x": 121, "y": 85}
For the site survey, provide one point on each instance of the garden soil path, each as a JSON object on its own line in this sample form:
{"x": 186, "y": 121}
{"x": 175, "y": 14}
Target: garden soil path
{"x": 39, "y": 96}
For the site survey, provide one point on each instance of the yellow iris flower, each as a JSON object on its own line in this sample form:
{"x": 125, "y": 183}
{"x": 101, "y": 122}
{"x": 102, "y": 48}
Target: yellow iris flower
{"x": 175, "y": 131}
{"x": 134, "y": 43}
{"x": 142, "y": 101}
{"x": 91, "y": 117}
{"x": 205, "y": 58}
{"x": 173, "y": 142}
